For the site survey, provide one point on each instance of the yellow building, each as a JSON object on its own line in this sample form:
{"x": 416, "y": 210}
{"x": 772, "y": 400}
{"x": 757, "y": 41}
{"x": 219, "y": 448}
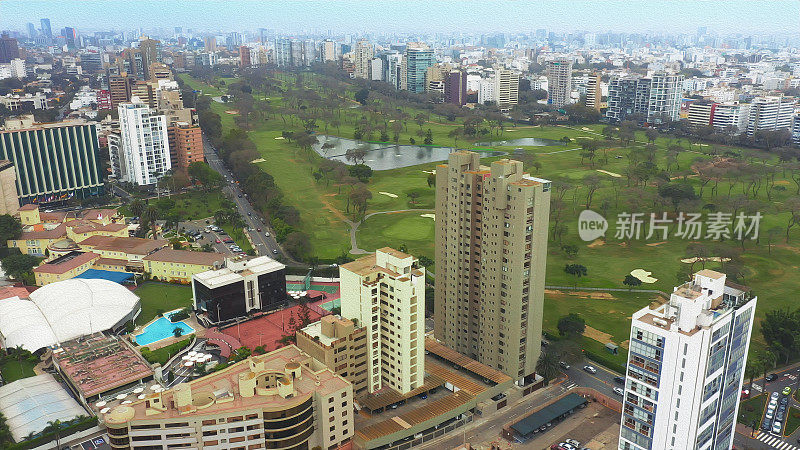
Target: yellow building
{"x": 64, "y": 267}
{"x": 178, "y": 266}
{"x": 118, "y": 251}
{"x": 35, "y": 242}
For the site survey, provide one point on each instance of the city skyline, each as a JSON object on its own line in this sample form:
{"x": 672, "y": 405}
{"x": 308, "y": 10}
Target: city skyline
{"x": 730, "y": 17}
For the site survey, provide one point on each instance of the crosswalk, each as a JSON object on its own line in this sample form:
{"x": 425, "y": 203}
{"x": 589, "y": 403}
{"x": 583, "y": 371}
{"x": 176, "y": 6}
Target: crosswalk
{"x": 568, "y": 386}
{"x": 775, "y": 442}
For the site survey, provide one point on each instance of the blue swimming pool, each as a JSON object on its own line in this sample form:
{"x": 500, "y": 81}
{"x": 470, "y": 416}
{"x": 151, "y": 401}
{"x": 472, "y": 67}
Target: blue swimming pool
{"x": 160, "y": 329}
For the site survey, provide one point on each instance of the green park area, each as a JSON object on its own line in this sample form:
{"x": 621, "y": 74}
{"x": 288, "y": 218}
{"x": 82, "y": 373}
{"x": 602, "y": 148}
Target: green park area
{"x": 158, "y": 298}
{"x": 609, "y": 169}
{"x": 13, "y": 369}
{"x": 751, "y": 410}
{"x": 191, "y": 205}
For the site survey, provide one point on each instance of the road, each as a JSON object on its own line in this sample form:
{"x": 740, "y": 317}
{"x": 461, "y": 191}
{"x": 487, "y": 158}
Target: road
{"x": 787, "y": 377}
{"x": 262, "y": 244}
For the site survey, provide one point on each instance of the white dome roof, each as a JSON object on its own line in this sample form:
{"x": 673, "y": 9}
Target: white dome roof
{"x": 64, "y": 310}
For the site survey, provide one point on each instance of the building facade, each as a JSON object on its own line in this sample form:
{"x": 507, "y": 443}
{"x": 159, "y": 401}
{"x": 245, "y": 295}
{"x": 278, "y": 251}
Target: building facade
{"x": 506, "y": 88}
{"x": 686, "y": 363}
{"x": 143, "y": 145}
{"x": 362, "y": 57}
{"x": 54, "y": 161}
{"x": 770, "y": 114}
{"x": 491, "y": 246}
{"x": 185, "y": 145}
{"x": 385, "y": 293}
{"x": 455, "y": 87}
{"x": 594, "y": 92}
{"x": 559, "y": 81}
{"x": 654, "y": 99}
{"x": 9, "y": 199}
{"x": 416, "y": 60}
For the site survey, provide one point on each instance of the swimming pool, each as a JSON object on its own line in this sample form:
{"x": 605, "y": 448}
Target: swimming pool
{"x": 160, "y": 329}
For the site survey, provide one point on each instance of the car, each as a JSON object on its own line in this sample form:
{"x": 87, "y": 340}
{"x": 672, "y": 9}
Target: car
{"x": 218, "y": 241}
{"x": 227, "y": 240}
{"x": 783, "y": 400}
{"x": 771, "y": 377}
{"x": 745, "y": 393}
{"x": 619, "y": 391}
{"x": 774, "y": 396}
{"x": 274, "y": 252}
{"x": 258, "y": 229}
{"x": 567, "y": 446}
{"x": 423, "y": 396}
{"x": 619, "y": 380}
{"x": 266, "y": 234}
{"x": 770, "y": 414}
{"x": 787, "y": 390}
{"x": 564, "y": 365}
{"x": 572, "y": 442}
{"x": 777, "y": 427}
{"x": 240, "y": 195}
{"x": 556, "y": 446}
{"x": 590, "y": 369}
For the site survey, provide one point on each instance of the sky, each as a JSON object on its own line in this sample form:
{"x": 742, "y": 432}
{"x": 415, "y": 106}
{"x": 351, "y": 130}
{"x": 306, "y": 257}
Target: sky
{"x": 411, "y": 16}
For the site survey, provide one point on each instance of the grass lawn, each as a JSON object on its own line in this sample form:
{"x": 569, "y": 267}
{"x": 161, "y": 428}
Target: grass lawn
{"x": 237, "y": 234}
{"x": 792, "y": 421}
{"x": 13, "y": 370}
{"x": 161, "y": 297}
{"x": 163, "y": 354}
{"x": 396, "y": 229}
{"x": 192, "y": 205}
{"x": 752, "y": 410}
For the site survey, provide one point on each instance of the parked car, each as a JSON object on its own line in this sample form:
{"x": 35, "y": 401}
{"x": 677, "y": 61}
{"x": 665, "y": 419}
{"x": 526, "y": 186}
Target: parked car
{"x": 572, "y": 442}
{"x": 774, "y": 396}
{"x": 564, "y": 365}
{"x": 787, "y": 390}
{"x": 590, "y": 369}
{"x": 274, "y": 252}
{"x": 770, "y": 414}
{"x": 266, "y": 234}
{"x": 619, "y": 391}
{"x": 218, "y": 241}
{"x": 777, "y": 427}
{"x": 745, "y": 393}
{"x": 619, "y": 379}
{"x": 771, "y": 377}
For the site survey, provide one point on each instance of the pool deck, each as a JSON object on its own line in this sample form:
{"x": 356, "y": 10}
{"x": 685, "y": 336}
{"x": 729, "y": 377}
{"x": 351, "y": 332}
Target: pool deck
{"x": 199, "y": 331}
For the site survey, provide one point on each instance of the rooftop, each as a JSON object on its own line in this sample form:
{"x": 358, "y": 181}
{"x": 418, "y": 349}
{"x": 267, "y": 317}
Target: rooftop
{"x": 137, "y": 246}
{"x": 185, "y": 257}
{"x": 65, "y": 263}
{"x": 237, "y": 269}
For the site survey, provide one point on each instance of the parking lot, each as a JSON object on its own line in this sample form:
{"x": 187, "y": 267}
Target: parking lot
{"x": 595, "y": 427}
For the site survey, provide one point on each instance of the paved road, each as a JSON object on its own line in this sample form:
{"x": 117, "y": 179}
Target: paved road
{"x": 602, "y": 381}
{"x": 262, "y": 244}
{"x": 787, "y": 377}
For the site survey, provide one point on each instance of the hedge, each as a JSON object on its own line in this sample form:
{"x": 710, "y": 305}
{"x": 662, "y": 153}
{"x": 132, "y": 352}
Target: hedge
{"x": 605, "y": 361}
{"x": 70, "y": 427}
{"x": 163, "y": 354}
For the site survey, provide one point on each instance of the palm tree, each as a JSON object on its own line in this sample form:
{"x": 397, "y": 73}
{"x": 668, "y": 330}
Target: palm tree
{"x": 752, "y": 370}
{"x": 55, "y": 425}
{"x": 766, "y": 360}
{"x": 547, "y": 366}
{"x": 137, "y": 207}
{"x": 150, "y": 215}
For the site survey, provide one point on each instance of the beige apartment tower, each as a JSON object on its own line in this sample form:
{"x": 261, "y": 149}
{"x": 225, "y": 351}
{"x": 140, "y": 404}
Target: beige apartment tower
{"x": 594, "y": 93}
{"x": 559, "y": 82}
{"x": 9, "y": 200}
{"x": 491, "y": 247}
{"x": 363, "y": 54}
{"x": 385, "y": 293}
{"x": 506, "y": 87}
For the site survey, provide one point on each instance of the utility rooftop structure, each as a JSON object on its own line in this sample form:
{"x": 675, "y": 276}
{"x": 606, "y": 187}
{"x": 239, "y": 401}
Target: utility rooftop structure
{"x": 686, "y": 366}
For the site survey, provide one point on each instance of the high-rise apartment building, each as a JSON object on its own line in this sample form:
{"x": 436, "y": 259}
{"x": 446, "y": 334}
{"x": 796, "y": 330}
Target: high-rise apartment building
{"x": 455, "y": 87}
{"x": 244, "y": 56}
{"x": 9, "y": 49}
{"x": 341, "y": 346}
{"x": 559, "y": 81}
{"x": 9, "y": 199}
{"x": 686, "y": 363}
{"x": 283, "y": 52}
{"x": 278, "y": 400}
{"x": 362, "y": 56}
{"x": 54, "y": 161}
{"x": 385, "y": 293}
{"x": 46, "y": 30}
{"x": 327, "y": 50}
{"x": 487, "y": 91}
{"x": 594, "y": 93}
{"x": 143, "y": 148}
{"x": 491, "y": 246}
{"x": 732, "y": 116}
{"x": 393, "y": 66}
{"x": 770, "y": 114}
{"x": 119, "y": 88}
{"x": 416, "y": 60}
{"x": 185, "y": 145}
{"x": 653, "y": 99}
{"x": 210, "y": 43}
{"x": 150, "y": 50}
{"x": 506, "y": 88}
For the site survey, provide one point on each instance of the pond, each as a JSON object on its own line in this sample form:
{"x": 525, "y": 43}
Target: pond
{"x": 386, "y": 156}
{"x": 529, "y": 141}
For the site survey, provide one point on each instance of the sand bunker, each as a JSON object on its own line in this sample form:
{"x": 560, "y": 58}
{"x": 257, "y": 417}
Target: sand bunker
{"x": 586, "y": 129}
{"x": 643, "y": 275}
{"x": 582, "y": 294}
{"x": 279, "y": 138}
{"x": 708, "y": 258}
{"x": 597, "y": 335}
{"x": 432, "y": 172}
{"x": 432, "y": 216}
{"x": 615, "y": 175}
{"x": 596, "y": 243}
{"x": 655, "y": 244}
{"x": 388, "y": 194}
{"x": 259, "y": 160}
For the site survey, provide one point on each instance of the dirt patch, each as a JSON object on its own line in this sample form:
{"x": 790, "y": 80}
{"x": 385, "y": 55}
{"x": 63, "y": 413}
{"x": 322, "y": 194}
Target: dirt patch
{"x": 654, "y": 244}
{"x": 623, "y": 244}
{"x": 625, "y": 343}
{"x": 581, "y": 294}
{"x": 232, "y": 112}
{"x": 329, "y": 195}
{"x": 596, "y": 243}
{"x": 597, "y": 335}
{"x": 335, "y": 211}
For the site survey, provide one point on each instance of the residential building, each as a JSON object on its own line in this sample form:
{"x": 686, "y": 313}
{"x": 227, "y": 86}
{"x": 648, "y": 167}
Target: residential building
{"x": 281, "y": 399}
{"x": 795, "y": 130}
{"x": 243, "y": 287}
{"x": 327, "y": 50}
{"x": 185, "y": 145}
{"x": 150, "y": 50}
{"x": 487, "y": 91}
{"x": 455, "y": 87}
{"x": 283, "y": 52}
{"x": 119, "y": 88}
{"x": 416, "y": 60}
{"x": 145, "y": 91}
{"x": 393, "y": 66}
{"x": 434, "y": 78}
{"x": 491, "y": 246}
{"x": 143, "y": 145}
{"x": 54, "y": 161}
{"x": 179, "y": 266}
{"x": 701, "y": 114}
{"x": 770, "y": 114}
{"x": 64, "y": 267}
{"x": 341, "y": 346}
{"x": 376, "y": 71}
{"x": 210, "y": 44}
{"x": 731, "y": 116}
{"x": 244, "y": 56}
{"x": 653, "y": 99}
{"x": 362, "y": 57}
{"x": 9, "y": 49}
{"x": 9, "y": 199}
{"x": 506, "y": 88}
{"x": 686, "y": 362}
{"x": 594, "y": 93}
{"x": 15, "y": 102}
{"x": 559, "y": 81}
{"x": 385, "y": 293}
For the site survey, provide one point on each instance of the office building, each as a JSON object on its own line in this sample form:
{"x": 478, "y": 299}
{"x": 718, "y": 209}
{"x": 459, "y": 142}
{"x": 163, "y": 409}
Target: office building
{"x": 393, "y": 65}
{"x": 244, "y": 57}
{"x": 185, "y": 145}
{"x": 594, "y": 93}
{"x": 686, "y": 363}
{"x": 31, "y": 31}
{"x": 279, "y": 400}
{"x": 119, "y": 89}
{"x": 796, "y": 129}
{"x": 54, "y": 161}
{"x": 385, "y": 293}
{"x": 506, "y": 88}
{"x": 416, "y": 60}
{"x": 362, "y": 57}
{"x": 143, "y": 145}
{"x": 9, "y": 199}
{"x": 340, "y": 345}
{"x": 770, "y": 114}
{"x": 46, "y": 30}
{"x": 455, "y": 87}
{"x": 654, "y": 99}
{"x": 559, "y": 82}
{"x": 327, "y": 50}
{"x": 210, "y": 44}
{"x": 9, "y": 49}
{"x": 70, "y": 35}
{"x": 491, "y": 246}
{"x": 243, "y": 287}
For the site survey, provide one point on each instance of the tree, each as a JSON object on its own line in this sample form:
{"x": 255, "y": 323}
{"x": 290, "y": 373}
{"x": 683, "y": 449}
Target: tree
{"x": 571, "y": 250}
{"x": 361, "y": 171}
{"x": 677, "y": 192}
{"x": 17, "y": 265}
{"x": 55, "y": 426}
{"x": 571, "y": 325}
{"x": 766, "y": 361}
{"x": 779, "y": 329}
{"x": 425, "y": 261}
{"x": 361, "y": 96}
{"x": 631, "y": 281}
{"x": 651, "y": 134}
{"x": 177, "y": 332}
{"x": 10, "y": 228}
{"x": 752, "y": 370}
{"x": 137, "y": 207}
{"x": 548, "y": 366}
{"x": 576, "y": 270}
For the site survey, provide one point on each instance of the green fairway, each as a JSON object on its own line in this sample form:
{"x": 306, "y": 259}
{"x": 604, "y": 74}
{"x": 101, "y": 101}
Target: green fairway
{"x": 161, "y": 297}
{"x": 13, "y": 370}
{"x": 396, "y": 229}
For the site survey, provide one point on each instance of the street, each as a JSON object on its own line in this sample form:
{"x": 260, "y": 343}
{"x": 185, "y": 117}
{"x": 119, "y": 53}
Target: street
{"x": 788, "y": 377}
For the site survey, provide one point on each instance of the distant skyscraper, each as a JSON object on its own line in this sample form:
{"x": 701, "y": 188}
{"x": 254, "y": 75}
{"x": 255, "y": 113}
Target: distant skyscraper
{"x": 46, "y": 30}
{"x": 559, "y": 81}
{"x": 594, "y": 94}
{"x": 327, "y": 51}
{"x": 70, "y": 36}
{"x": 8, "y": 49}
{"x": 506, "y": 88}
{"x": 210, "y": 43}
{"x": 244, "y": 56}
{"x": 31, "y": 30}
{"x": 283, "y": 52}
{"x": 455, "y": 87}
{"x": 151, "y": 53}
{"x": 491, "y": 247}
{"x": 416, "y": 60}
{"x": 363, "y": 54}
{"x": 143, "y": 152}
{"x": 686, "y": 363}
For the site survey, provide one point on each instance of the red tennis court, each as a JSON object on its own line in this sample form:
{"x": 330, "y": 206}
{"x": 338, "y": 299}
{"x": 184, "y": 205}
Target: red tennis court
{"x": 268, "y": 329}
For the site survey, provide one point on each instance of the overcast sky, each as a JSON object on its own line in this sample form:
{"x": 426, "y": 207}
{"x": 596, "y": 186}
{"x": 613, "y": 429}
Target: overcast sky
{"x": 469, "y": 16}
